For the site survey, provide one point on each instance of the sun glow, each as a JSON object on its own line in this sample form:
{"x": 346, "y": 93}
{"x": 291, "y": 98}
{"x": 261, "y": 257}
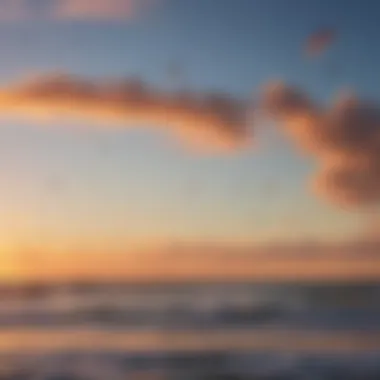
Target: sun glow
{"x": 9, "y": 268}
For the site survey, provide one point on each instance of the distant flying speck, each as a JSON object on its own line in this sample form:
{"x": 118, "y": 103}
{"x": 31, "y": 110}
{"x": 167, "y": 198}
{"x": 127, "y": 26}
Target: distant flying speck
{"x": 319, "y": 41}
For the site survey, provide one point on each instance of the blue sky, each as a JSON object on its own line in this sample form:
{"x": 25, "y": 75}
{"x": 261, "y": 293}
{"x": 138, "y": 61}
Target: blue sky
{"x": 81, "y": 188}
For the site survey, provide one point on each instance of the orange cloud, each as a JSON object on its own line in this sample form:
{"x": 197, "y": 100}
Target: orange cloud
{"x": 345, "y": 138}
{"x": 208, "y": 121}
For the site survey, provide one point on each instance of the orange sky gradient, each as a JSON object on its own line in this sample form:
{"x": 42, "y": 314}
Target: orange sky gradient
{"x": 92, "y": 191}
{"x": 287, "y": 263}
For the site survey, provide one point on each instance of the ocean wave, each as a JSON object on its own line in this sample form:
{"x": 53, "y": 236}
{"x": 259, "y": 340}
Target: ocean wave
{"x": 198, "y": 365}
{"x": 192, "y": 306}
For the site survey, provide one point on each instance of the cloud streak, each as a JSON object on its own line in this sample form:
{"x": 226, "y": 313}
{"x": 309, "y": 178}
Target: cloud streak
{"x": 208, "y": 121}
{"x": 99, "y": 9}
{"x": 79, "y": 10}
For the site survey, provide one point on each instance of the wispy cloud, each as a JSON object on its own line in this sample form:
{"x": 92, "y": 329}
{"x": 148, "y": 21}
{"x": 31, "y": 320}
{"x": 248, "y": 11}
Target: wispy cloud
{"x": 208, "y": 121}
{"x": 318, "y": 42}
{"x": 80, "y": 10}
{"x": 99, "y": 9}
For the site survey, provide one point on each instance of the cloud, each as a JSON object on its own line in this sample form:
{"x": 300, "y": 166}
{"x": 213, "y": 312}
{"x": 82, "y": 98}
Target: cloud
{"x": 319, "y": 41}
{"x": 345, "y": 138}
{"x": 208, "y": 121}
{"x": 80, "y": 10}
{"x": 99, "y": 9}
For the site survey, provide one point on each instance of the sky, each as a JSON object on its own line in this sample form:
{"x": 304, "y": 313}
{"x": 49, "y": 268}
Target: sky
{"x": 71, "y": 187}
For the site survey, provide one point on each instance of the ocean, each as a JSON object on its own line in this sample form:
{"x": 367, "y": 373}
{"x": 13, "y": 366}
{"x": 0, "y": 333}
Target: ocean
{"x": 190, "y": 331}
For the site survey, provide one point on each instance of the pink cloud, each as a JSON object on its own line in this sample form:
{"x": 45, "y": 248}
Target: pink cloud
{"x": 80, "y": 10}
{"x": 98, "y": 9}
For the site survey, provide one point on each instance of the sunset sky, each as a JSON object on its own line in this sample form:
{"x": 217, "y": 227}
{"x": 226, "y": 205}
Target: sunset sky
{"x": 77, "y": 190}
